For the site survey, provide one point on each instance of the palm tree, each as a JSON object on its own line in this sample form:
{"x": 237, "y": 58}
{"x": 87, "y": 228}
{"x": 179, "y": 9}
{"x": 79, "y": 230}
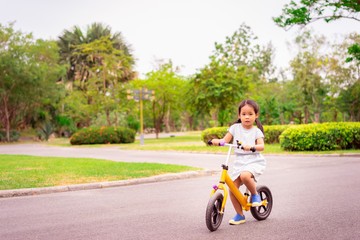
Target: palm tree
{"x": 78, "y": 64}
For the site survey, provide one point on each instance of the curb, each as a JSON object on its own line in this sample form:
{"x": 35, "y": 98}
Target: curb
{"x": 88, "y": 186}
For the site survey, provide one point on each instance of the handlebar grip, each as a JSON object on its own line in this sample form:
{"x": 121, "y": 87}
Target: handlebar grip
{"x": 252, "y": 149}
{"x": 222, "y": 143}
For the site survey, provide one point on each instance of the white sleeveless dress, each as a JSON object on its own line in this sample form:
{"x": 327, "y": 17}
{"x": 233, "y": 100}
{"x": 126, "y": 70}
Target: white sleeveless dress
{"x": 246, "y": 160}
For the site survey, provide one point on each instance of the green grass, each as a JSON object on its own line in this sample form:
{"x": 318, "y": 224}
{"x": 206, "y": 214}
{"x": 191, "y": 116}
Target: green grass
{"x": 191, "y": 142}
{"x": 20, "y": 171}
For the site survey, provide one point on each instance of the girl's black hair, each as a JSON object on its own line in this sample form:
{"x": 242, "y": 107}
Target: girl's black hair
{"x": 253, "y": 104}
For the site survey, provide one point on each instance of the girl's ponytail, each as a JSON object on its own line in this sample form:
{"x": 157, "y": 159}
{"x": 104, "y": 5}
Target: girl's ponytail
{"x": 259, "y": 125}
{"x": 237, "y": 121}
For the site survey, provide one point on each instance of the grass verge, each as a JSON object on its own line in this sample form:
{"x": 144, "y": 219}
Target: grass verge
{"x": 190, "y": 142}
{"x": 21, "y": 171}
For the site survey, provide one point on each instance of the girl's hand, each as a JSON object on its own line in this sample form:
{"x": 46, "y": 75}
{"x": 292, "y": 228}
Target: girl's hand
{"x": 247, "y": 147}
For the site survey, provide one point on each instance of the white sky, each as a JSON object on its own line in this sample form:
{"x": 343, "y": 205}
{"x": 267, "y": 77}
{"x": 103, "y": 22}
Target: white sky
{"x": 181, "y": 30}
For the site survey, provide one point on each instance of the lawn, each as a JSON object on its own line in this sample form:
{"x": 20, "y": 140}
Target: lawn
{"x": 21, "y": 171}
{"x": 190, "y": 142}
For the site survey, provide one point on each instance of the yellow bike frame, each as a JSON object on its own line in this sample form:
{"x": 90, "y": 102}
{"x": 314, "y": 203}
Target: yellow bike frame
{"x": 225, "y": 179}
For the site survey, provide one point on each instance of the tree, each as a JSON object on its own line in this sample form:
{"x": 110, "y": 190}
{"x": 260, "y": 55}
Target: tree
{"x": 28, "y": 75}
{"x": 168, "y": 87}
{"x": 237, "y": 66}
{"x": 217, "y": 87}
{"x": 79, "y": 63}
{"x": 344, "y": 80}
{"x": 307, "y": 68}
{"x": 103, "y": 90}
{"x": 308, "y": 11}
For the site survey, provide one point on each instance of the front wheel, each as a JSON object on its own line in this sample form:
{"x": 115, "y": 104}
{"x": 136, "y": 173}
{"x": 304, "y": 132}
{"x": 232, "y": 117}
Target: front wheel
{"x": 213, "y": 215}
{"x": 262, "y": 212}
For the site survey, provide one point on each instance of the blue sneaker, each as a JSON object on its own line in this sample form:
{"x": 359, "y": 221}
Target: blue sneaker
{"x": 237, "y": 220}
{"x": 256, "y": 201}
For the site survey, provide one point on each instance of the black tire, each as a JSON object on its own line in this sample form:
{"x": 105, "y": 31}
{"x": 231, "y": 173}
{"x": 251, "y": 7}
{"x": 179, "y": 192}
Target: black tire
{"x": 213, "y": 216}
{"x": 262, "y": 212}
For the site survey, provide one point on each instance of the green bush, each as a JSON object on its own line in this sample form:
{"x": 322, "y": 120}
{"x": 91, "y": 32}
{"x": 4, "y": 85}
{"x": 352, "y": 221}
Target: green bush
{"x": 321, "y": 137}
{"x": 211, "y": 133}
{"x": 272, "y": 133}
{"x": 14, "y": 136}
{"x": 103, "y": 135}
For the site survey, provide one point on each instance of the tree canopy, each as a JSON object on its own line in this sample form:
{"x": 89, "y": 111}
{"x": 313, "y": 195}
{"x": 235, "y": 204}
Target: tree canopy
{"x": 307, "y": 11}
{"x": 79, "y": 63}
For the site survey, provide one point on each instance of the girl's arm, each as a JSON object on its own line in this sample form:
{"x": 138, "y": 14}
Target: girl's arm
{"x": 227, "y": 139}
{"x": 259, "y": 145}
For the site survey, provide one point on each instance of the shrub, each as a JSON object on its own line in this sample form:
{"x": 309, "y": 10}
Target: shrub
{"x": 133, "y": 123}
{"x": 101, "y": 135}
{"x": 14, "y": 136}
{"x": 45, "y": 130}
{"x": 320, "y": 137}
{"x": 272, "y": 133}
{"x": 210, "y": 133}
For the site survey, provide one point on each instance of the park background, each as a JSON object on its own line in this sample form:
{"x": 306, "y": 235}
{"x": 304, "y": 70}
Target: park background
{"x": 79, "y": 76}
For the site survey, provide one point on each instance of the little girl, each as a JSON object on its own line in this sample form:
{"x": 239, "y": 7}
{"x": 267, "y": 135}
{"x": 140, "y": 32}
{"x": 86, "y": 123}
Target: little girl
{"x": 249, "y": 164}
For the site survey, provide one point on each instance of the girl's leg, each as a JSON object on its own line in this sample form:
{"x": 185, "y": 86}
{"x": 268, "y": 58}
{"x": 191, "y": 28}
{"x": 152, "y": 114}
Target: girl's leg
{"x": 247, "y": 179}
{"x": 235, "y": 202}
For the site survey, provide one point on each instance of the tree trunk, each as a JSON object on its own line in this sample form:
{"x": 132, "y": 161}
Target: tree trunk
{"x": 191, "y": 120}
{"x": 306, "y": 115}
{"x": 7, "y": 119}
{"x": 335, "y": 116}
{"x": 155, "y": 122}
{"x": 108, "y": 117}
{"x": 167, "y": 120}
{"x": 116, "y": 119}
{"x": 282, "y": 118}
{"x": 317, "y": 117}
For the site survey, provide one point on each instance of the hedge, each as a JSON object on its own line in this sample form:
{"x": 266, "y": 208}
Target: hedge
{"x": 272, "y": 133}
{"x": 211, "y": 133}
{"x": 14, "y": 136}
{"x": 103, "y": 135}
{"x": 321, "y": 137}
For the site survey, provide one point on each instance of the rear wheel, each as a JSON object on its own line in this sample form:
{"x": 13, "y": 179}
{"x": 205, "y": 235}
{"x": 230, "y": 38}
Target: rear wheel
{"x": 213, "y": 216}
{"x": 262, "y": 212}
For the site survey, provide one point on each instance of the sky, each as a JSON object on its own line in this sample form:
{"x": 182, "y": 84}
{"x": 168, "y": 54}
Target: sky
{"x": 184, "y": 31}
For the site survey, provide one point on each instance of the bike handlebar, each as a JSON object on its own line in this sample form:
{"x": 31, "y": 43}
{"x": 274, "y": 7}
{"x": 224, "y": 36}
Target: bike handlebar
{"x": 237, "y": 145}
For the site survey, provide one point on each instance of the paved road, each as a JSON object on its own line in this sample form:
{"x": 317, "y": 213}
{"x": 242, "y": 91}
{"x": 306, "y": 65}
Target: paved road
{"x": 314, "y": 198}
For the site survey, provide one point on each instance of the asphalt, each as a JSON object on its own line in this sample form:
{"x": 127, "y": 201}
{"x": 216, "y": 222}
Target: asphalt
{"x": 209, "y": 167}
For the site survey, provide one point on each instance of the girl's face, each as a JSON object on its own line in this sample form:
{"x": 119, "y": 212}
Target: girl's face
{"x": 248, "y": 116}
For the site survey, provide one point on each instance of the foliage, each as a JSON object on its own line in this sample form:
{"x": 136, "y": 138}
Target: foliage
{"x": 133, "y": 123}
{"x": 211, "y": 133}
{"x": 65, "y": 125}
{"x": 103, "y": 135}
{"x": 272, "y": 133}
{"x": 28, "y": 75}
{"x": 45, "y": 130}
{"x": 344, "y": 92}
{"x": 308, "y": 11}
{"x": 168, "y": 87}
{"x": 320, "y": 137}
{"x": 234, "y": 68}
{"x": 79, "y": 64}
{"x": 307, "y": 68}
{"x": 102, "y": 92}
{"x": 14, "y": 136}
